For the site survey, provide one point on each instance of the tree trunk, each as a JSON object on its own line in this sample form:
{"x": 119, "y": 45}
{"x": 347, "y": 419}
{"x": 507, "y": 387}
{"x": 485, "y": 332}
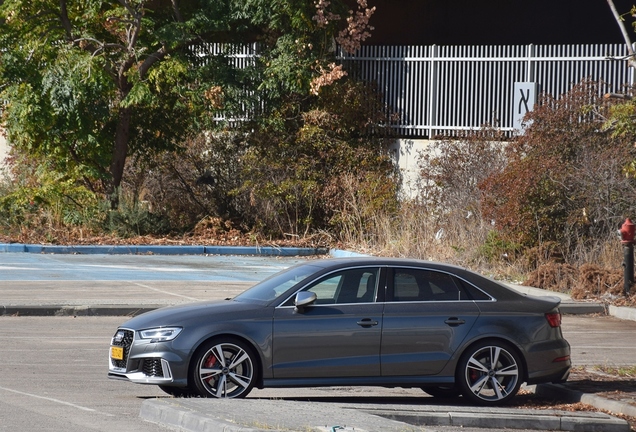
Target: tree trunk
{"x": 120, "y": 151}
{"x": 628, "y": 42}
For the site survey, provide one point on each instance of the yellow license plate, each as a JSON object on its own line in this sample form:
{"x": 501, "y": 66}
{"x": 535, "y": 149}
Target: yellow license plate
{"x": 116, "y": 353}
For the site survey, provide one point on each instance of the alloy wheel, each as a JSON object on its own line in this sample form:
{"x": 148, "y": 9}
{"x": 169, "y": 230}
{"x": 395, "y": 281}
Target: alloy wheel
{"x": 225, "y": 370}
{"x": 491, "y": 374}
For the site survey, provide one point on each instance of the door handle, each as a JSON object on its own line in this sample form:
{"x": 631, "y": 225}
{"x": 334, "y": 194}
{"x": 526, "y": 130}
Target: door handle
{"x": 454, "y": 322}
{"x": 367, "y": 322}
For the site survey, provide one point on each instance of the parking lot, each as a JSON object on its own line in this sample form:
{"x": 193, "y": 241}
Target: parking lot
{"x": 54, "y": 368}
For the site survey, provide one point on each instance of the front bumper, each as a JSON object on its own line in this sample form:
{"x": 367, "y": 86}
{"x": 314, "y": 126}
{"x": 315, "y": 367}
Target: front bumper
{"x": 159, "y": 372}
{"x": 139, "y": 360}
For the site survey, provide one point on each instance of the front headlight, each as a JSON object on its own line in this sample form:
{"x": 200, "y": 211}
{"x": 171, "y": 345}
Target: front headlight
{"x": 160, "y": 334}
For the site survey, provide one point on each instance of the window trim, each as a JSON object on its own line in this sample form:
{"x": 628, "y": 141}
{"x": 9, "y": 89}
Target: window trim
{"x": 390, "y": 288}
{"x": 380, "y": 286}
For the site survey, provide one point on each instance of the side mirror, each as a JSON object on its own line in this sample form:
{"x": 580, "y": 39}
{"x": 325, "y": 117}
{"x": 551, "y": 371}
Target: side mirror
{"x": 304, "y": 299}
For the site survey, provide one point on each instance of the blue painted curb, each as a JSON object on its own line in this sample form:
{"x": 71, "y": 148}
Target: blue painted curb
{"x": 162, "y": 250}
{"x": 338, "y": 253}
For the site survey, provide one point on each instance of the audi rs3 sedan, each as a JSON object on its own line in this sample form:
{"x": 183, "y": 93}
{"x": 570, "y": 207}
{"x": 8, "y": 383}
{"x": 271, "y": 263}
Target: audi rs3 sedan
{"x": 351, "y": 322}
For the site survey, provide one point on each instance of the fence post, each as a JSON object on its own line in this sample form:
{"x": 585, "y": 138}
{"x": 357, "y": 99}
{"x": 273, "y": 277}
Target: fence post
{"x": 530, "y": 63}
{"x": 432, "y": 90}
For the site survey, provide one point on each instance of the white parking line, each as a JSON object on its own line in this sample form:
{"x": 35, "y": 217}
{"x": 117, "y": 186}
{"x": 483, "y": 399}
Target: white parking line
{"x": 18, "y": 268}
{"x": 164, "y": 292}
{"x": 56, "y": 401}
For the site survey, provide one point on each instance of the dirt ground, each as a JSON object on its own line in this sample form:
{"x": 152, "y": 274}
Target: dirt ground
{"x": 607, "y": 385}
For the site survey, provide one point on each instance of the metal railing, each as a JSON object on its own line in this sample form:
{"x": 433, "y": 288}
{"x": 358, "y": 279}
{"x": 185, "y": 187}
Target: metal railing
{"x": 440, "y": 90}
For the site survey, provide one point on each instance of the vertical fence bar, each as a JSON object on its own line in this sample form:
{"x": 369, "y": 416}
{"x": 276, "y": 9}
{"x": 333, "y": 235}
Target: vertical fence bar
{"x": 444, "y": 89}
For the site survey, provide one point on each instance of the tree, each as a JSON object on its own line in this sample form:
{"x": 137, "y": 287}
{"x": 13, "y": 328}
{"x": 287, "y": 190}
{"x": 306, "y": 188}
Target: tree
{"x": 621, "y": 24}
{"x": 90, "y": 83}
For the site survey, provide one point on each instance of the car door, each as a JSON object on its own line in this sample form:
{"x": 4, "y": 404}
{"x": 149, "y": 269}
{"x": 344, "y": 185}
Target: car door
{"x": 426, "y": 317}
{"x": 338, "y": 335}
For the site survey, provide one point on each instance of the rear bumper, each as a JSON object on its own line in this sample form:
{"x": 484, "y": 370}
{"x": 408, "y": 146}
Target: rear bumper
{"x": 553, "y": 376}
{"x": 549, "y": 363}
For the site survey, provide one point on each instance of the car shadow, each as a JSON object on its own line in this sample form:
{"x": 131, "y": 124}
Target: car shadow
{"x": 376, "y": 400}
{"x": 594, "y": 386}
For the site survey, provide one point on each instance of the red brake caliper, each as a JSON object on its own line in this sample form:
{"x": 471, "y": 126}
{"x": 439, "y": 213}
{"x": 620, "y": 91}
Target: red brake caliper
{"x": 210, "y": 361}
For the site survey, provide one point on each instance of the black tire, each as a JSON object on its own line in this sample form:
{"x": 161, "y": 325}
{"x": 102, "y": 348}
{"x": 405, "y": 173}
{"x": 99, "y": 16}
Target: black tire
{"x": 442, "y": 392}
{"x": 182, "y": 392}
{"x": 224, "y": 368}
{"x": 490, "y": 373}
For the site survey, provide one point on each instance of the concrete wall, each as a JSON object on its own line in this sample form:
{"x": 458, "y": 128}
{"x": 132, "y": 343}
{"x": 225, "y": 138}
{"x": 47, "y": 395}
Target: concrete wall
{"x": 406, "y": 153}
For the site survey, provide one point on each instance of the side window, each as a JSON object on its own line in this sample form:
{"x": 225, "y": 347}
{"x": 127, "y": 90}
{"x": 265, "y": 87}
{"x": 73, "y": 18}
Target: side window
{"x": 406, "y": 286}
{"x": 327, "y": 289}
{"x": 473, "y": 292}
{"x": 348, "y": 286}
{"x": 443, "y": 287}
{"x": 425, "y": 285}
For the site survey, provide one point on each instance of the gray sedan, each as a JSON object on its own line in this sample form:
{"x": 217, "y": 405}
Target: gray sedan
{"x": 358, "y": 321}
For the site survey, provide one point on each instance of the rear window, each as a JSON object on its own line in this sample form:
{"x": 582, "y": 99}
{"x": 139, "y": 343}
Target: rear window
{"x": 411, "y": 284}
{"x": 473, "y": 292}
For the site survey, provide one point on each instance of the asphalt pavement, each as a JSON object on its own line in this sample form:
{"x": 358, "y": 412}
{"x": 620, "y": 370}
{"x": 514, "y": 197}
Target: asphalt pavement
{"x": 106, "y": 284}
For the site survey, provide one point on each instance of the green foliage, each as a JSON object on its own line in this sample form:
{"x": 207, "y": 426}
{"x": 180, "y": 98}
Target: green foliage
{"x": 132, "y": 219}
{"x": 324, "y": 168}
{"x": 496, "y": 248}
{"x": 37, "y": 197}
{"x": 621, "y": 119}
{"x": 90, "y": 84}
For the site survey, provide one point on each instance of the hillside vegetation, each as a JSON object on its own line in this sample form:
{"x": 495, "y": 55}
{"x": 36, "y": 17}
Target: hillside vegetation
{"x": 542, "y": 207}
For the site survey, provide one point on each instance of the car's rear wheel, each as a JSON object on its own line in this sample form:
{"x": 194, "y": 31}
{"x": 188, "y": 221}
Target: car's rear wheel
{"x": 224, "y": 368}
{"x": 490, "y": 373}
{"x": 442, "y": 392}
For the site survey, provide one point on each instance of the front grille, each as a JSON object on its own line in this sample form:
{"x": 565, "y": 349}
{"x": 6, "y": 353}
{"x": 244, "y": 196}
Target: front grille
{"x": 153, "y": 368}
{"x": 126, "y": 343}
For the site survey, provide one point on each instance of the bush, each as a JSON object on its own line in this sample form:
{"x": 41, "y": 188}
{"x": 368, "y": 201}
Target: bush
{"x": 134, "y": 219}
{"x": 186, "y": 186}
{"x": 319, "y": 165}
{"x": 587, "y": 282}
{"x": 566, "y": 180}
{"x": 36, "y": 201}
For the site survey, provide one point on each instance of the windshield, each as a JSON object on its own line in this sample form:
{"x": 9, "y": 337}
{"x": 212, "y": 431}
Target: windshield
{"x": 276, "y": 285}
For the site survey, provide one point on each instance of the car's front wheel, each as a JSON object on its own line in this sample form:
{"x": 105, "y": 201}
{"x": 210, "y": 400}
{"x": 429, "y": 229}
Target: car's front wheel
{"x": 490, "y": 373}
{"x": 224, "y": 368}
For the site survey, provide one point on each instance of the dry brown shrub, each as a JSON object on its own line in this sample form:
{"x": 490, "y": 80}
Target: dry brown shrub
{"x": 554, "y": 277}
{"x": 595, "y": 281}
{"x": 589, "y": 281}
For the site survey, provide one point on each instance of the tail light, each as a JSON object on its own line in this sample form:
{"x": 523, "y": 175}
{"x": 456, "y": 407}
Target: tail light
{"x": 554, "y": 319}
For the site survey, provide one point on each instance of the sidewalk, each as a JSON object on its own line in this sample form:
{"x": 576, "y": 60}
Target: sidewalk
{"x": 95, "y": 297}
{"x": 265, "y": 415}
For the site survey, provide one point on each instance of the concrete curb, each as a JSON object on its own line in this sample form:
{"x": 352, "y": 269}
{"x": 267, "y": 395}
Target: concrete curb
{"x": 161, "y": 250}
{"x": 266, "y": 415}
{"x": 622, "y": 312}
{"x": 586, "y": 398}
{"x": 69, "y": 310}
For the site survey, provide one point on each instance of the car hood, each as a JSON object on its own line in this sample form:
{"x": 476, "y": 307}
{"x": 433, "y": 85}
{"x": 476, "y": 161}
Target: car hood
{"x": 182, "y": 315}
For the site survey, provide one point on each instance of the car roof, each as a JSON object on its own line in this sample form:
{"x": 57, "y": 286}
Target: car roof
{"x": 493, "y": 287}
{"x": 344, "y": 262}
